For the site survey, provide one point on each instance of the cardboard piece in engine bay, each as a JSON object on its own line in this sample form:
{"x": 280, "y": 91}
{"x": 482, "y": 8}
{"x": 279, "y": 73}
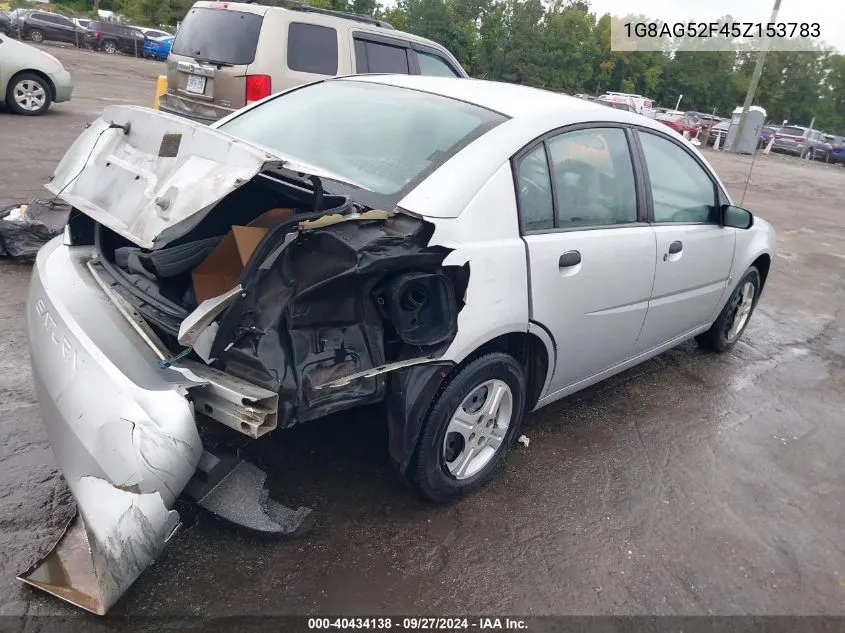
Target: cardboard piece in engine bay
{"x": 341, "y": 305}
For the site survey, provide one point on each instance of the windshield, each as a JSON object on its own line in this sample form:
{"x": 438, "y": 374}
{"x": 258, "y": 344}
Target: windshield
{"x": 382, "y": 138}
{"x": 219, "y": 35}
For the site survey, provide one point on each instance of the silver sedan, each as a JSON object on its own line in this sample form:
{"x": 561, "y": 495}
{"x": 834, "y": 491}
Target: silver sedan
{"x": 464, "y": 251}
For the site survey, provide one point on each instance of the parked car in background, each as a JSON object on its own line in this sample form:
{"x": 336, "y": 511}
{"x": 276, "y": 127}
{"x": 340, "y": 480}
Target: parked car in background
{"x": 766, "y": 134}
{"x": 5, "y": 23}
{"x": 16, "y": 17}
{"x": 227, "y": 55}
{"x": 113, "y": 38}
{"x": 150, "y": 33}
{"x": 800, "y": 141}
{"x": 837, "y": 148}
{"x": 718, "y": 132}
{"x": 31, "y": 79}
{"x": 158, "y": 47}
{"x": 39, "y": 26}
{"x": 617, "y": 105}
{"x": 680, "y": 123}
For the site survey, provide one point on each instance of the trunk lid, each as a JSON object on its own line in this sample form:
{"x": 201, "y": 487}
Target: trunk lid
{"x": 137, "y": 171}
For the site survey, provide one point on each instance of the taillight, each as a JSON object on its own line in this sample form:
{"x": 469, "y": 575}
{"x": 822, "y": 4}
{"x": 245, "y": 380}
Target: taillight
{"x": 96, "y": 35}
{"x": 257, "y": 87}
{"x": 777, "y": 135}
{"x": 799, "y": 140}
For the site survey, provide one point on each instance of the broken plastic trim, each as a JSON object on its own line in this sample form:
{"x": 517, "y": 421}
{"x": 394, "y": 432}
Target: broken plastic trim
{"x": 95, "y": 561}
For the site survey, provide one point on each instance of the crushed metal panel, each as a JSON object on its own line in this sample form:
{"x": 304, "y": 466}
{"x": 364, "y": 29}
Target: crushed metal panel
{"x": 375, "y": 371}
{"x": 240, "y": 405}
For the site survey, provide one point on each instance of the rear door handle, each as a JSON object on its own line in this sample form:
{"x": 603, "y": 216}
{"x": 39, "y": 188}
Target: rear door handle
{"x": 675, "y": 247}
{"x": 569, "y": 258}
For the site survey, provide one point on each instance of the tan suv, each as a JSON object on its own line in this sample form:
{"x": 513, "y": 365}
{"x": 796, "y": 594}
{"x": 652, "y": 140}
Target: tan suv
{"x": 229, "y": 54}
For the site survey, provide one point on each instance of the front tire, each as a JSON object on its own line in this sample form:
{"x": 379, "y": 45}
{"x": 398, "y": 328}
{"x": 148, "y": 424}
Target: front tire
{"x": 28, "y": 95}
{"x": 469, "y": 429}
{"x": 734, "y": 318}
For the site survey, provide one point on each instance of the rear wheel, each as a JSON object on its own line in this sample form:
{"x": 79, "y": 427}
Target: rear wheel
{"x": 110, "y": 47}
{"x": 468, "y": 431}
{"x": 732, "y": 321}
{"x": 28, "y": 94}
{"x": 36, "y": 36}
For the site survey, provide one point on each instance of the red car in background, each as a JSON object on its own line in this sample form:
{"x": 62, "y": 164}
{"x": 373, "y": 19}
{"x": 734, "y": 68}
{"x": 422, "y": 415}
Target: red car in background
{"x": 680, "y": 123}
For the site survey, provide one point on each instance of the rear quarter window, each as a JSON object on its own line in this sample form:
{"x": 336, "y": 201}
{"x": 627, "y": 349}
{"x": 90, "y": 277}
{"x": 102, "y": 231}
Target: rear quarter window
{"x": 312, "y": 49}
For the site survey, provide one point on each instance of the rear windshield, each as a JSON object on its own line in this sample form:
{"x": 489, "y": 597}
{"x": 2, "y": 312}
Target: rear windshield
{"x": 382, "y": 138}
{"x": 792, "y": 131}
{"x": 219, "y": 35}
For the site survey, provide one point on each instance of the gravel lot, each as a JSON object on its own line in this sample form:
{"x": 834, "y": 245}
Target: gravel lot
{"x": 692, "y": 484}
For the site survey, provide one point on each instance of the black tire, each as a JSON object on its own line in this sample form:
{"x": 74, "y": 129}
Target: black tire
{"x": 718, "y": 338}
{"x": 429, "y": 471}
{"x": 17, "y": 80}
{"x": 35, "y": 35}
{"x": 109, "y": 47}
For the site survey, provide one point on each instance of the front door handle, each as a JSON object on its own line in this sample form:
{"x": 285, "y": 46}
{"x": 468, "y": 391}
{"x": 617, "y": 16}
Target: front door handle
{"x": 569, "y": 258}
{"x": 675, "y": 247}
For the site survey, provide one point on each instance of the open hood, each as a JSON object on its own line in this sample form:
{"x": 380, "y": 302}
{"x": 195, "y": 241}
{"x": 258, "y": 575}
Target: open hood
{"x": 152, "y": 177}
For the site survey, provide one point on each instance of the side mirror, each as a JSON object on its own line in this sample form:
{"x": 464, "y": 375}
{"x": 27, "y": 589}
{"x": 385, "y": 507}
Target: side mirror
{"x": 736, "y": 217}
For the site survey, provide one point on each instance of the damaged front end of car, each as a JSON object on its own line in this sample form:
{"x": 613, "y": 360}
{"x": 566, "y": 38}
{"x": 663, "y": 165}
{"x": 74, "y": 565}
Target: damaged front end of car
{"x": 320, "y": 301}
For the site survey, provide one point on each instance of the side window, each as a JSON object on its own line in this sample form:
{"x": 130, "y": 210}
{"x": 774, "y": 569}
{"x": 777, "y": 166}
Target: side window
{"x": 312, "y": 48}
{"x": 534, "y": 190}
{"x": 434, "y": 65}
{"x": 374, "y": 57}
{"x": 680, "y": 188}
{"x": 594, "y": 178}
{"x": 63, "y": 21}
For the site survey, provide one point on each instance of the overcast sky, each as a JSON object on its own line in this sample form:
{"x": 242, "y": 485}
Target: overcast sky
{"x": 830, "y": 14}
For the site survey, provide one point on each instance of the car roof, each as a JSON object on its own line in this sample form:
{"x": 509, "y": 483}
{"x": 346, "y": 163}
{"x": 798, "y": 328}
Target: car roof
{"x": 512, "y": 100}
{"x": 320, "y": 16}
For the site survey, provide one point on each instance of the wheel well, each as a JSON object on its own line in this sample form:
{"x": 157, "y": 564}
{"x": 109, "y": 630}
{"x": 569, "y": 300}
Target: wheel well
{"x": 529, "y": 351}
{"x": 763, "y": 263}
{"x": 37, "y": 73}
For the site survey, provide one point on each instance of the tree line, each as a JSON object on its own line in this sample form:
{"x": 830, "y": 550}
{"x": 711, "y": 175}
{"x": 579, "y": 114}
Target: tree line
{"x": 562, "y": 45}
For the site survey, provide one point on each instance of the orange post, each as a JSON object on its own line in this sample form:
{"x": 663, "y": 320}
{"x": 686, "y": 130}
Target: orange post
{"x": 161, "y": 88}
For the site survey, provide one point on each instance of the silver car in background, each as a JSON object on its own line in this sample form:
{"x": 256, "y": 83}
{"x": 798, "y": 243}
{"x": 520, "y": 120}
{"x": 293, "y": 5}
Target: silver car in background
{"x": 31, "y": 79}
{"x": 802, "y": 142}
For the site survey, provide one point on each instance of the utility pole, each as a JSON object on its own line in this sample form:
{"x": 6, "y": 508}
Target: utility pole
{"x": 755, "y": 79}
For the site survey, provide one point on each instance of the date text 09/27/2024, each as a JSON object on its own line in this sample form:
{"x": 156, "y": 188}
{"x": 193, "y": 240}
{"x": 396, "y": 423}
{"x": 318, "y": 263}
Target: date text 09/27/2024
{"x": 723, "y": 29}
{"x": 418, "y": 624}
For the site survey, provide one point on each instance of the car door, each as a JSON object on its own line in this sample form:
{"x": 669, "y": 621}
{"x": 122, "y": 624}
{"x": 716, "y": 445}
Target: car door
{"x": 65, "y": 29}
{"x": 694, "y": 253}
{"x": 591, "y": 253}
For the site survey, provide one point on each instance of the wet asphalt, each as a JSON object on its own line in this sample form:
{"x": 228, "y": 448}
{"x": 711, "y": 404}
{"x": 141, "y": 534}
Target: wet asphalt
{"x": 692, "y": 484}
